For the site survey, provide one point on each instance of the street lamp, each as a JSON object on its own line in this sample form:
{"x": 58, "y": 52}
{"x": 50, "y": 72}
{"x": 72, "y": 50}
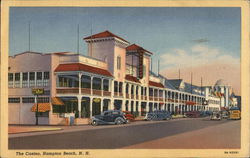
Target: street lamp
{"x": 37, "y": 91}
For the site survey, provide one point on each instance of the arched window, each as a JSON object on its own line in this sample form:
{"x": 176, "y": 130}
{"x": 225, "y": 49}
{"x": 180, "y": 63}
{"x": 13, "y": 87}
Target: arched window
{"x": 118, "y": 62}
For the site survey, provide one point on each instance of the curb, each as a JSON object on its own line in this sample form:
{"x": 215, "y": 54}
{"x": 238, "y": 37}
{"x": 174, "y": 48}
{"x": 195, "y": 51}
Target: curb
{"x": 59, "y": 129}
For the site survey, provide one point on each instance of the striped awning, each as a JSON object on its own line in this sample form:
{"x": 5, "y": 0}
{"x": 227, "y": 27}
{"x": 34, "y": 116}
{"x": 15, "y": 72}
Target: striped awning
{"x": 42, "y": 107}
{"x": 56, "y": 101}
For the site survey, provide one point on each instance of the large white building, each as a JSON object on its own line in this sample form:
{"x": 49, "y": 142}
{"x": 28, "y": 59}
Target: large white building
{"x": 114, "y": 75}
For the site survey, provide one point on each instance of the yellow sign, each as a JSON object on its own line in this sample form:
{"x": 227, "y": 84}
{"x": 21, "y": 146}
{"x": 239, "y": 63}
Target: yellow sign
{"x": 38, "y": 91}
{"x": 97, "y": 100}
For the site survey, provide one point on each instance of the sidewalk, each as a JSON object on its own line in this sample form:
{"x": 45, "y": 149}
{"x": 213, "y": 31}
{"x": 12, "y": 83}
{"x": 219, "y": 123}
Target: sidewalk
{"x": 27, "y": 129}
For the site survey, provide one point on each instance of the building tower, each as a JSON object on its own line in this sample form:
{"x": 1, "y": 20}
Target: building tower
{"x": 108, "y": 47}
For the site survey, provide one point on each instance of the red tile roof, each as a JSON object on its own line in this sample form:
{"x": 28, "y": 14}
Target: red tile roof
{"x": 82, "y": 67}
{"x": 132, "y": 78}
{"x": 136, "y": 47}
{"x": 103, "y": 35}
{"x": 156, "y": 84}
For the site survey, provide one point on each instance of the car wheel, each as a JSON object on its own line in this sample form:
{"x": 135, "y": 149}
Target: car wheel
{"x": 118, "y": 121}
{"x": 128, "y": 121}
{"x": 94, "y": 123}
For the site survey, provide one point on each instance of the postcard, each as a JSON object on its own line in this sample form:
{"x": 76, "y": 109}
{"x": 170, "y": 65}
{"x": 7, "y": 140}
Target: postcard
{"x": 124, "y": 79}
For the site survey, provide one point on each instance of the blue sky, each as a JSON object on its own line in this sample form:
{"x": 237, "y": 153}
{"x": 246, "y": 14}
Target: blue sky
{"x": 165, "y": 31}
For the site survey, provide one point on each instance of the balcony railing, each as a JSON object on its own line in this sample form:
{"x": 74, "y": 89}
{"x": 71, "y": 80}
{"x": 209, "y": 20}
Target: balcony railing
{"x": 86, "y": 91}
{"x": 67, "y": 90}
{"x": 97, "y": 92}
{"x": 106, "y": 93}
{"x": 156, "y": 98}
{"x": 127, "y": 95}
{"x": 137, "y": 97}
{"x": 151, "y": 97}
{"x": 115, "y": 93}
{"x": 132, "y": 96}
{"x": 160, "y": 99}
{"x": 120, "y": 94}
{"x": 145, "y": 97}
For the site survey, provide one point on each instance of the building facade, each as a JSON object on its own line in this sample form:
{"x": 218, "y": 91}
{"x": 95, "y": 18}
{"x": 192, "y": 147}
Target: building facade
{"x": 114, "y": 75}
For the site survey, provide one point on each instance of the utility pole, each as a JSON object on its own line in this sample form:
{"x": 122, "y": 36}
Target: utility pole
{"x": 78, "y": 39}
{"x": 179, "y": 74}
{"x": 29, "y": 37}
{"x": 201, "y": 85}
{"x": 158, "y": 67}
{"x": 37, "y": 109}
{"x": 191, "y": 82}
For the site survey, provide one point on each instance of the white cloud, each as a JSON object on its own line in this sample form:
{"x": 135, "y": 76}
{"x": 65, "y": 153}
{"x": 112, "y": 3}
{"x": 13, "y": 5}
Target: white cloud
{"x": 196, "y": 56}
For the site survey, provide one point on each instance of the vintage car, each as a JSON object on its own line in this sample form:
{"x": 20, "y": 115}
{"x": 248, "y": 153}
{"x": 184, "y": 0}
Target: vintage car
{"x": 234, "y": 113}
{"x": 224, "y": 114}
{"x": 158, "y": 115}
{"x": 216, "y": 116}
{"x": 109, "y": 117}
{"x": 205, "y": 113}
{"x": 129, "y": 117}
{"x": 192, "y": 114}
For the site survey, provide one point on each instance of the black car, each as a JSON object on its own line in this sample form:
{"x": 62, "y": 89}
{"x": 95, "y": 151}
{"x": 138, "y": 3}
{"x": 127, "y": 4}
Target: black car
{"x": 158, "y": 115}
{"x": 109, "y": 117}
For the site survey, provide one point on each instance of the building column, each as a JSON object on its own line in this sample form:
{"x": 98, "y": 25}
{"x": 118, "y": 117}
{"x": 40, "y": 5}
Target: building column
{"x": 102, "y": 86}
{"x": 79, "y": 99}
{"x": 90, "y": 106}
{"x": 123, "y": 105}
{"x": 101, "y": 105}
{"x": 34, "y": 80}
{"x": 112, "y": 104}
{"x": 80, "y": 83}
{"x": 91, "y": 85}
{"x": 139, "y": 107}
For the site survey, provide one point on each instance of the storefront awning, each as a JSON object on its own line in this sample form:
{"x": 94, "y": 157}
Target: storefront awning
{"x": 42, "y": 107}
{"x": 57, "y": 101}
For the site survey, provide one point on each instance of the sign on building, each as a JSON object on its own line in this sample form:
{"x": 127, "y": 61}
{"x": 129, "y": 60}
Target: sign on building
{"x": 38, "y": 91}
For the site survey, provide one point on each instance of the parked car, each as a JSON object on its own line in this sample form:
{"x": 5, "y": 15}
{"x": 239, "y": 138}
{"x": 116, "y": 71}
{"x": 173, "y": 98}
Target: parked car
{"x": 216, "y": 116}
{"x": 234, "y": 113}
{"x": 129, "y": 117}
{"x": 205, "y": 113}
{"x": 109, "y": 117}
{"x": 193, "y": 114}
{"x": 158, "y": 115}
{"x": 224, "y": 114}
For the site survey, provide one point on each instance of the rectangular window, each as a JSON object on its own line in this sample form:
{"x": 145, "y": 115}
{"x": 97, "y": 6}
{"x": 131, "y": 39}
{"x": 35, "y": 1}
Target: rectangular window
{"x": 106, "y": 85}
{"x": 10, "y": 76}
{"x": 28, "y": 100}
{"x": 43, "y": 99}
{"x": 120, "y": 87}
{"x": 17, "y": 76}
{"x": 118, "y": 63}
{"x": 14, "y": 100}
{"x": 25, "y": 76}
{"x": 46, "y": 75}
{"x": 32, "y": 76}
{"x": 39, "y": 75}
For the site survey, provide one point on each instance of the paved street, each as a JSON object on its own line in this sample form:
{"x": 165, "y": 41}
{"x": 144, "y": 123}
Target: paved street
{"x": 180, "y": 133}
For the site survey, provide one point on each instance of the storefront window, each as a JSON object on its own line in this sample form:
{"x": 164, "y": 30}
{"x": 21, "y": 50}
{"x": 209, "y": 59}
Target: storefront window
{"x": 85, "y": 108}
